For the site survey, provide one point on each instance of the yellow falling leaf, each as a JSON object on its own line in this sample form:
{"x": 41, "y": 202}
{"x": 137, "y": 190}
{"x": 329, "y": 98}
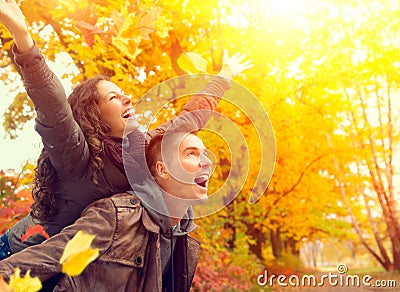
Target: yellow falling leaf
{"x": 78, "y": 254}
{"x": 129, "y": 27}
{"x": 25, "y": 284}
{"x": 192, "y": 63}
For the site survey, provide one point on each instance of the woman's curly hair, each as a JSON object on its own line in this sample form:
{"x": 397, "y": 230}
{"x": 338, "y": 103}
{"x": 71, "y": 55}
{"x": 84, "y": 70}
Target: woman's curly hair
{"x": 85, "y": 109}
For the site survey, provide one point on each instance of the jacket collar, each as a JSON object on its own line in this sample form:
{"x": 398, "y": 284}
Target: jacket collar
{"x": 151, "y": 198}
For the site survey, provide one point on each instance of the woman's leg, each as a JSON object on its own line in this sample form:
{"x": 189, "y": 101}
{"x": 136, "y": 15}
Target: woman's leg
{"x": 5, "y": 250}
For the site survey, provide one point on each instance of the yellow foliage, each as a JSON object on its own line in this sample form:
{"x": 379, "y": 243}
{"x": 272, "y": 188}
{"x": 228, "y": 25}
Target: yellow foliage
{"x": 129, "y": 27}
{"x": 192, "y": 63}
{"x": 24, "y": 284}
{"x": 128, "y": 45}
{"x": 78, "y": 254}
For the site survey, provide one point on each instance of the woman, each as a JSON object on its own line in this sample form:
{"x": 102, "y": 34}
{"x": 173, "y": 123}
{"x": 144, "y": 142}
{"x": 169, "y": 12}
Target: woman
{"x": 81, "y": 160}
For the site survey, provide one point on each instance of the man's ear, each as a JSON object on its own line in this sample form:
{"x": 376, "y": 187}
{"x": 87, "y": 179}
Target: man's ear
{"x": 161, "y": 170}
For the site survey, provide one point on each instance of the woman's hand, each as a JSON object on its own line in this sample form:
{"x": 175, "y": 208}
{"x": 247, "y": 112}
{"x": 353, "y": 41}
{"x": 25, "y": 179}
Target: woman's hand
{"x": 13, "y": 18}
{"x": 233, "y": 66}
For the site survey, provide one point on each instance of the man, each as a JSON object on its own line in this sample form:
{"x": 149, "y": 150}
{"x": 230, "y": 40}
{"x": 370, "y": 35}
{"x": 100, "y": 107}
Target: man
{"x": 142, "y": 247}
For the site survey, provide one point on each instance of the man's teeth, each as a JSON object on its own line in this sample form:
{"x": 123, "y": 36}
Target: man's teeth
{"x": 201, "y": 180}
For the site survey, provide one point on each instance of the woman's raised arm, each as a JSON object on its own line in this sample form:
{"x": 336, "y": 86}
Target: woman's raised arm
{"x": 12, "y": 17}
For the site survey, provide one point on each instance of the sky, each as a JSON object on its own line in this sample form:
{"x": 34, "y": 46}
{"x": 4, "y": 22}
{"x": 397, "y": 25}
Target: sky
{"x": 16, "y": 152}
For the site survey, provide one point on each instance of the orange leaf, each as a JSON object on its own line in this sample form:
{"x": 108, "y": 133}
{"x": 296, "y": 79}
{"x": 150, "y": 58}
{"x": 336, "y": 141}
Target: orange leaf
{"x": 87, "y": 14}
{"x": 147, "y": 21}
{"x": 3, "y": 285}
{"x": 38, "y": 229}
{"x": 86, "y": 20}
{"x": 88, "y": 31}
{"x": 117, "y": 19}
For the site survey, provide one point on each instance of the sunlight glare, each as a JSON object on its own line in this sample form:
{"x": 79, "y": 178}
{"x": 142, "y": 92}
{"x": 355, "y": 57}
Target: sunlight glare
{"x": 285, "y": 6}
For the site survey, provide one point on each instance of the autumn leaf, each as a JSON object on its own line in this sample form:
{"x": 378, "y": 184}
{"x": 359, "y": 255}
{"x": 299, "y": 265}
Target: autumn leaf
{"x": 38, "y": 229}
{"x": 86, "y": 20}
{"x": 4, "y": 286}
{"x": 88, "y": 31}
{"x": 117, "y": 19}
{"x": 147, "y": 22}
{"x": 128, "y": 46}
{"x": 78, "y": 254}
{"x": 87, "y": 14}
{"x": 142, "y": 24}
{"x": 192, "y": 63}
{"x": 24, "y": 284}
{"x": 129, "y": 27}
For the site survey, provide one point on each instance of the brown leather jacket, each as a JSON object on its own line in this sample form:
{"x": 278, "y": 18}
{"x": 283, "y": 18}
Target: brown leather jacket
{"x": 129, "y": 244}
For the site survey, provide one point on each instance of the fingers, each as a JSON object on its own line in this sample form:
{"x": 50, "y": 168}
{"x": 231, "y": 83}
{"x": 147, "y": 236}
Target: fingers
{"x": 235, "y": 55}
{"x": 248, "y": 64}
{"x": 239, "y": 61}
{"x": 236, "y": 63}
{"x": 238, "y": 57}
{"x": 241, "y": 57}
{"x": 225, "y": 56}
{"x": 226, "y": 53}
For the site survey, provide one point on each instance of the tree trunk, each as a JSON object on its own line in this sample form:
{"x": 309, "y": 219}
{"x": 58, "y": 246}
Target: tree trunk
{"x": 276, "y": 243}
{"x": 290, "y": 246}
{"x": 259, "y": 238}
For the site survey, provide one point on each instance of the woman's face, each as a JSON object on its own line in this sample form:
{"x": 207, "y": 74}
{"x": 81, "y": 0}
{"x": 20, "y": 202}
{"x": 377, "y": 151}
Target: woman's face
{"x": 115, "y": 108}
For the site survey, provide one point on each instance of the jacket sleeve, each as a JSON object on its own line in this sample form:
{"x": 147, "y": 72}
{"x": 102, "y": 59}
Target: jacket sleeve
{"x": 196, "y": 113}
{"x": 62, "y": 137}
{"x": 42, "y": 260}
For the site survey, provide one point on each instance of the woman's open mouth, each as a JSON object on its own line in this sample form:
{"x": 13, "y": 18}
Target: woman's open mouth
{"x": 128, "y": 113}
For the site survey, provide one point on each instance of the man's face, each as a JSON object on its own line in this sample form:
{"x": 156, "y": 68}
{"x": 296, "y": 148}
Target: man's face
{"x": 188, "y": 169}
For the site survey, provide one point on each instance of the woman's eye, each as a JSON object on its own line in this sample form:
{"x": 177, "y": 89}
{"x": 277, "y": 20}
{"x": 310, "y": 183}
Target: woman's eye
{"x": 112, "y": 97}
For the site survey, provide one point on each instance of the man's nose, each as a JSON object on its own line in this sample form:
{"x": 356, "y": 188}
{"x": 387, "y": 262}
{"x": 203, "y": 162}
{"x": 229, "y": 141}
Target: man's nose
{"x": 204, "y": 160}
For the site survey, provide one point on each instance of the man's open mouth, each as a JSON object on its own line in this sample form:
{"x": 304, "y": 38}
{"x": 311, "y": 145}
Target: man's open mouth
{"x": 202, "y": 180}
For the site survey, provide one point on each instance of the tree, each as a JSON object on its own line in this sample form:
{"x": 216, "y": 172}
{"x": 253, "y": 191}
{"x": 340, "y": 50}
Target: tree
{"x": 15, "y": 195}
{"x": 326, "y": 73}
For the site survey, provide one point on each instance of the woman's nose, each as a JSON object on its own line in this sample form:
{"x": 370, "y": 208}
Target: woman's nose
{"x": 126, "y": 99}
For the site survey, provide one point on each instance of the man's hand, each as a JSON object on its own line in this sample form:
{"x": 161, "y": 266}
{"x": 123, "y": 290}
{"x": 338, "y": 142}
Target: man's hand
{"x": 233, "y": 66}
{"x": 13, "y": 18}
